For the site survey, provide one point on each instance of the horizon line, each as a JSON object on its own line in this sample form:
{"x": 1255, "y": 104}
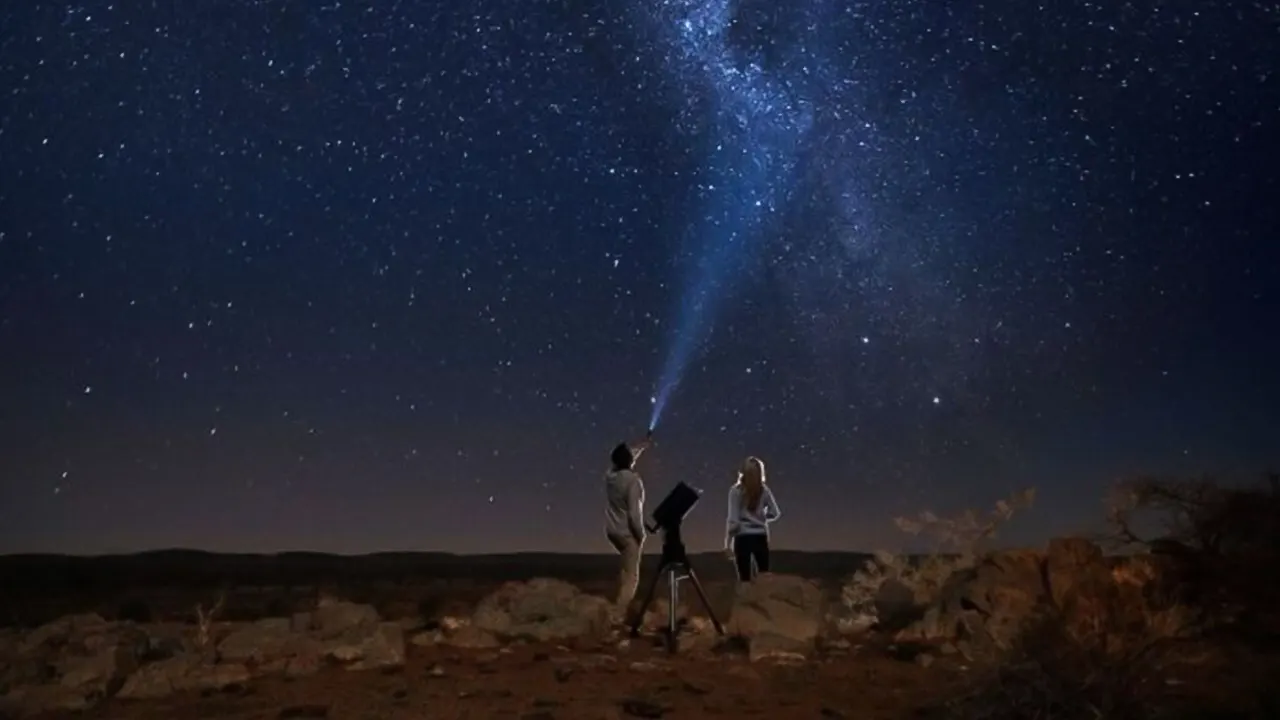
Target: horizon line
{"x": 374, "y": 553}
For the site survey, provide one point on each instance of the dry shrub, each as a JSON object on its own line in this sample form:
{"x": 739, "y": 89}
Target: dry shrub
{"x": 1124, "y": 642}
{"x": 1109, "y": 652}
{"x": 205, "y": 620}
{"x": 956, "y": 543}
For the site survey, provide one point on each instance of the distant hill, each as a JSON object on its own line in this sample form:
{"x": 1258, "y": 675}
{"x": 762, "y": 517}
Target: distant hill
{"x": 183, "y": 567}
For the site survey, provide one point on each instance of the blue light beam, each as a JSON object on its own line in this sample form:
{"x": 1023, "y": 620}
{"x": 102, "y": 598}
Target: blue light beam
{"x": 758, "y": 126}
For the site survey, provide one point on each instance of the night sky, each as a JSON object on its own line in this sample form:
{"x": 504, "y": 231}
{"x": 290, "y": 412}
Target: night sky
{"x": 357, "y": 276}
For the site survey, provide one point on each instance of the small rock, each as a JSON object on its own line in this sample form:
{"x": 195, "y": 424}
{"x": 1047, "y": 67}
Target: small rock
{"x": 699, "y": 625}
{"x": 469, "y": 636}
{"x": 427, "y": 639}
{"x": 642, "y": 708}
{"x": 436, "y": 671}
{"x": 924, "y": 660}
{"x": 949, "y": 649}
{"x": 642, "y": 666}
{"x": 304, "y": 712}
{"x": 303, "y": 665}
{"x": 695, "y": 689}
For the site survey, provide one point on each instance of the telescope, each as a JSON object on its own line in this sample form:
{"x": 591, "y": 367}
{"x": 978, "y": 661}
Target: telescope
{"x": 670, "y": 513}
{"x": 667, "y": 518}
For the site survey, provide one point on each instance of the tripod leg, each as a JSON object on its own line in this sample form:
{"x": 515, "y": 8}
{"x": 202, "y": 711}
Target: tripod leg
{"x": 702, "y": 595}
{"x": 673, "y": 604}
{"x": 648, "y": 600}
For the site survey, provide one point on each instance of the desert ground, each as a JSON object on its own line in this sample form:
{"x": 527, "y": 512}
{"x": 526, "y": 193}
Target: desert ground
{"x": 602, "y": 677}
{"x": 1061, "y": 631}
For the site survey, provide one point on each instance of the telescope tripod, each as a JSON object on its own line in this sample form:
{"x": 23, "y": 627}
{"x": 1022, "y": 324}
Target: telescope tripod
{"x": 676, "y": 566}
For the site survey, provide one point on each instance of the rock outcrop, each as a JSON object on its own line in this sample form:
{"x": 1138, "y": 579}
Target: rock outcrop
{"x": 983, "y": 609}
{"x": 75, "y": 662}
{"x": 778, "y": 616}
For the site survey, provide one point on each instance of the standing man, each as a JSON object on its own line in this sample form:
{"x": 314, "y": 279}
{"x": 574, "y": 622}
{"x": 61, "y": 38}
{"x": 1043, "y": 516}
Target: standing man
{"x": 624, "y": 519}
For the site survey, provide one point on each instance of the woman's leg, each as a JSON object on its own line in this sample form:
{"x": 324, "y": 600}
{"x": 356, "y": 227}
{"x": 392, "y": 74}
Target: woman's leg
{"x": 760, "y": 553}
{"x": 742, "y": 557}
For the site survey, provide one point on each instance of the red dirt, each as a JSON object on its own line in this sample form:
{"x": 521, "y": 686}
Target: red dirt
{"x": 548, "y": 682}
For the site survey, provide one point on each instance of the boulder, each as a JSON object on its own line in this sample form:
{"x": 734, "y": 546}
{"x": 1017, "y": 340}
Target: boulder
{"x": 76, "y": 661}
{"x": 778, "y": 615}
{"x": 895, "y": 603}
{"x": 55, "y": 635}
{"x": 301, "y": 622}
{"x": 102, "y": 673}
{"x": 542, "y": 609}
{"x": 989, "y": 605}
{"x": 986, "y": 604}
{"x": 38, "y": 699}
{"x": 261, "y": 642}
{"x": 336, "y": 618}
{"x": 367, "y": 648}
{"x": 338, "y": 632}
{"x": 182, "y": 673}
{"x": 69, "y": 664}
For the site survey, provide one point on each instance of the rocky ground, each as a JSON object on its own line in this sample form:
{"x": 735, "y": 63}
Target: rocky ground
{"x": 544, "y": 648}
{"x": 546, "y": 681}
{"x": 541, "y": 649}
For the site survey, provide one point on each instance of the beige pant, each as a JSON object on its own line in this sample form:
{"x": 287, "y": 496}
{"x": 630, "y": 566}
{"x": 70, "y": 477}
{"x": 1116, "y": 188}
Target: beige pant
{"x": 628, "y": 571}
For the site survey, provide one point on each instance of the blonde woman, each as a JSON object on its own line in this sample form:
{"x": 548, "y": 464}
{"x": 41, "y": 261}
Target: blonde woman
{"x": 752, "y": 508}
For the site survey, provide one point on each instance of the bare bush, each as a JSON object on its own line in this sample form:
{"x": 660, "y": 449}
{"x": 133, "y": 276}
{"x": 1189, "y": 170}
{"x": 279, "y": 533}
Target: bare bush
{"x": 1120, "y": 645}
{"x": 1110, "y": 653}
{"x": 205, "y": 620}
{"x": 956, "y": 544}
{"x": 1217, "y": 537}
{"x": 1199, "y": 515}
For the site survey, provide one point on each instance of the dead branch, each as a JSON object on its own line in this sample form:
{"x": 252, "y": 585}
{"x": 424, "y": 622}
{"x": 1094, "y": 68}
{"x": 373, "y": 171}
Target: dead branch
{"x": 206, "y": 619}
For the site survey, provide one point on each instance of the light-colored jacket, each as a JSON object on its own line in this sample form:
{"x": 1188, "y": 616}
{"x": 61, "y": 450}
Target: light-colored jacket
{"x": 744, "y": 521}
{"x": 624, "y": 507}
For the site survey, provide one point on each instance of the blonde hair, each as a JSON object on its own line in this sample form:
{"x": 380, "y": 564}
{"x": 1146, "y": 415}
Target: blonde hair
{"x": 752, "y": 478}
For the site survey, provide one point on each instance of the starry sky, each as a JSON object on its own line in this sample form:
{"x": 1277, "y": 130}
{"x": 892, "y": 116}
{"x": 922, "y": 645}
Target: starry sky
{"x": 352, "y": 276}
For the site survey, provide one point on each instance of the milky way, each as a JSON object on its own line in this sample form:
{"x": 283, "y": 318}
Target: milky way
{"x": 757, "y": 125}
